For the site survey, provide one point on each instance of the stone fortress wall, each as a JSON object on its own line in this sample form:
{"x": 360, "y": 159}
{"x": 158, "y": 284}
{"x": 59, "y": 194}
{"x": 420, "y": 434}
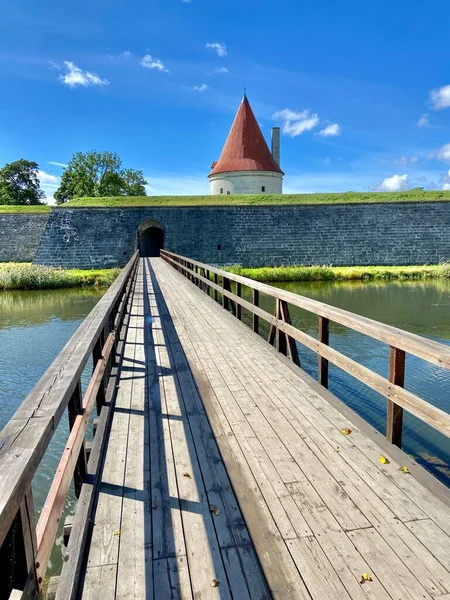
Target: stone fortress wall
{"x": 20, "y": 235}
{"x": 345, "y": 234}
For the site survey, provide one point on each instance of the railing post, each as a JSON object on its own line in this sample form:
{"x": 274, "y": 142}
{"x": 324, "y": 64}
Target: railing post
{"x": 255, "y": 317}
{"x": 394, "y": 420}
{"x": 18, "y": 554}
{"x": 97, "y": 354}
{"x": 238, "y": 306}
{"x": 216, "y": 292}
{"x": 324, "y": 337}
{"x": 225, "y": 300}
{"x": 75, "y": 408}
{"x": 283, "y": 342}
{"x": 208, "y": 275}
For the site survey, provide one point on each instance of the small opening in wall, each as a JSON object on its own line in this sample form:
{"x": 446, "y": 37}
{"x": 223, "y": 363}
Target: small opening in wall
{"x": 219, "y": 246}
{"x": 263, "y": 189}
{"x": 221, "y": 190}
{"x": 228, "y": 193}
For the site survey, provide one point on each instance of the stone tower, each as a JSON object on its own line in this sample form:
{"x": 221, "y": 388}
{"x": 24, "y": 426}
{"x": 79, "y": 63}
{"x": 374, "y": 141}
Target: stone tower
{"x": 246, "y": 165}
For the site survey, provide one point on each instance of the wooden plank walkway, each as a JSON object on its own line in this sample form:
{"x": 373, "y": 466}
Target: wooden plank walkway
{"x": 227, "y": 475}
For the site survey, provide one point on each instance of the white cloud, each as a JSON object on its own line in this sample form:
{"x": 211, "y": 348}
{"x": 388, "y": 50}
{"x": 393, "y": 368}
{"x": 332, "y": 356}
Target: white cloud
{"x": 57, "y": 164}
{"x": 198, "y": 88}
{"x": 330, "y": 131}
{"x": 406, "y": 160}
{"x": 75, "y": 76}
{"x": 47, "y": 179}
{"x": 445, "y": 181}
{"x": 220, "y": 70}
{"x": 296, "y": 123}
{"x": 54, "y": 65}
{"x": 440, "y": 98}
{"x": 125, "y": 54}
{"x": 186, "y": 1}
{"x": 220, "y": 48}
{"x": 443, "y": 153}
{"x": 423, "y": 121}
{"x": 153, "y": 63}
{"x": 396, "y": 183}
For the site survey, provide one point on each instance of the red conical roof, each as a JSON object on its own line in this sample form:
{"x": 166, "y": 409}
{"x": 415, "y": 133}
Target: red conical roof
{"x": 245, "y": 149}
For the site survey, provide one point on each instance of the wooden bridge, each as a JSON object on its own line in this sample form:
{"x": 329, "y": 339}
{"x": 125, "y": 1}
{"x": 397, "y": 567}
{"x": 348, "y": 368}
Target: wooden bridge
{"x": 219, "y": 468}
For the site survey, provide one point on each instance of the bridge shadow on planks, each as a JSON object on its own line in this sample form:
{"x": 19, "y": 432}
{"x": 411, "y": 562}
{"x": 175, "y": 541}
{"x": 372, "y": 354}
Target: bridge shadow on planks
{"x": 167, "y": 523}
{"x": 193, "y": 547}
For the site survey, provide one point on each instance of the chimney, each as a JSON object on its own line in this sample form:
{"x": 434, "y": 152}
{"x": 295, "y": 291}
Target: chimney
{"x": 276, "y": 144}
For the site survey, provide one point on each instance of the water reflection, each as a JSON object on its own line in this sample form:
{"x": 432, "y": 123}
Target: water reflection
{"x": 34, "y": 327}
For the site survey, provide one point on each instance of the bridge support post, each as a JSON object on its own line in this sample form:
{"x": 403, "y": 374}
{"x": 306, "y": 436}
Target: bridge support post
{"x": 394, "y": 422}
{"x": 255, "y": 317}
{"x": 324, "y": 338}
{"x": 216, "y": 292}
{"x": 284, "y": 343}
{"x": 75, "y": 408}
{"x": 238, "y": 306}
{"x": 18, "y": 554}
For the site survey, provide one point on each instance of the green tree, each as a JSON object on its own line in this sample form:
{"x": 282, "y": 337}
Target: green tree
{"x": 134, "y": 183}
{"x": 93, "y": 174}
{"x": 19, "y": 183}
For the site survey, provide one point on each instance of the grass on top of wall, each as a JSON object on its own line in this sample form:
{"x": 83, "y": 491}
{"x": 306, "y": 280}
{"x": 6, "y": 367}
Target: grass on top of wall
{"x": 25, "y": 276}
{"x": 12, "y": 209}
{"x": 272, "y": 199}
{"x": 279, "y": 274}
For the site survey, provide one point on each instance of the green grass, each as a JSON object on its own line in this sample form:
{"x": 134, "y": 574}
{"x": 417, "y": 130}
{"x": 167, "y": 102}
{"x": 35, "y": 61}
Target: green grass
{"x": 275, "y": 199}
{"x": 274, "y": 274}
{"x": 38, "y": 209}
{"x": 25, "y": 276}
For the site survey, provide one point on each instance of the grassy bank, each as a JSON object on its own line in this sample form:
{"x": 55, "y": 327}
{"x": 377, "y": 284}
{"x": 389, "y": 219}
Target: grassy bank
{"x": 29, "y": 210}
{"x": 273, "y": 199}
{"x": 272, "y": 274}
{"x": 24, "y": 276}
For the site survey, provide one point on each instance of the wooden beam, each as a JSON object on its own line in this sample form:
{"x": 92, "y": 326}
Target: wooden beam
{"x": 434, "y": 352}
{"x": 423, "y": 410}
{"x": 394, "y": 417}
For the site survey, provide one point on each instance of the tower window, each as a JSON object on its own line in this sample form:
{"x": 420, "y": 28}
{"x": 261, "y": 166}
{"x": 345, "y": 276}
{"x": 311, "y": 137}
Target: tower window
{"x": 263, "y": 189}
{"x": 221, "y": 190}
{"x": 228, "y": 193}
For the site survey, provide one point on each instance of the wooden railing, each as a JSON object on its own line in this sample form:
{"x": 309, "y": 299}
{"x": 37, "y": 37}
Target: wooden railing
{"x": 25, "y": 546}
{"x": 284, "y": 335}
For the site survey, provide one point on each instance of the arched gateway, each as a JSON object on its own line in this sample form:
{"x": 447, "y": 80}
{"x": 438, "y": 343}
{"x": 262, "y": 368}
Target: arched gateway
{"x": 150, "y": 238}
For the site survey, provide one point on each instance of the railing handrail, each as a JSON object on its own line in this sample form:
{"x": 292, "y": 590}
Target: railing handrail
{"x": 429, "y": 350}
{"x": 25, "y": 438}
{"x": 284, "y": 334}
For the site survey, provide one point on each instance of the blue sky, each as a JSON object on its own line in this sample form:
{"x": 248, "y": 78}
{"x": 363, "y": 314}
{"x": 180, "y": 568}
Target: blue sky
{"x": 360, "y": 88}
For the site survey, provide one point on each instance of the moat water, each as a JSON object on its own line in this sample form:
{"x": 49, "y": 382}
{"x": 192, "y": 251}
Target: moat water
{"x": 34, "y": 326}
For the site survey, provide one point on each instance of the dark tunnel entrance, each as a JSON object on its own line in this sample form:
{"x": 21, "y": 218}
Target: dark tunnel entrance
{"x": 151, "y": 238}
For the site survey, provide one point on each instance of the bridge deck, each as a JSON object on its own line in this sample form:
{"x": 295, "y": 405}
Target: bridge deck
{"x": 225, "y": 465}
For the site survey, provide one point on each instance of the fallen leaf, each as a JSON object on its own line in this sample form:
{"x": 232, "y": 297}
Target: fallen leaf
{"x": 154, "y": 503}
{"x": 346, "y": 431}
{"x": 187, "y": 476}
{"x": 404, "y": 469}
{"x": 117, "y": 532}
{"x": 214, "y": 583}
{"x": 337, "y": 449}
{"x": 365, "y": 577}
{"x": 384, "y": 460}
{"x": 215, "y": 509}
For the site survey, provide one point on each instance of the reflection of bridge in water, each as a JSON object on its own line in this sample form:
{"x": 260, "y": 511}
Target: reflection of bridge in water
{"x": 219, "y": 469}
